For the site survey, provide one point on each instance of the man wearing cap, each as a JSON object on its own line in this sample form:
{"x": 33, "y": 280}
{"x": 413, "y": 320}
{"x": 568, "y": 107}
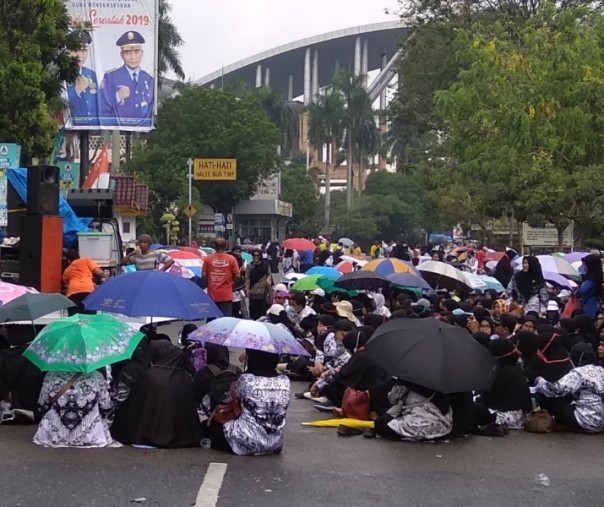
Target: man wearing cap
{"x": 145, "y": 259}
{"x": 82, "y": 93}
{"x": 127, "y": 92}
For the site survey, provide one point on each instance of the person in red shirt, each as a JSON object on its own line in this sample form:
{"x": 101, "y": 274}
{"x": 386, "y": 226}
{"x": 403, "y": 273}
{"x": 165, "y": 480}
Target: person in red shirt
{"x": 480, "y": 258}
{"x": 221, "y": 273}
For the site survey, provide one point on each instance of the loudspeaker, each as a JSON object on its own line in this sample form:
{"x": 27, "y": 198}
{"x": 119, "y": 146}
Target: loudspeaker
{"x": 43, "y": 190}
{"x": 16, "y": 209}
{"x": 41, "y": 252}
{"x": 91, "y": 202}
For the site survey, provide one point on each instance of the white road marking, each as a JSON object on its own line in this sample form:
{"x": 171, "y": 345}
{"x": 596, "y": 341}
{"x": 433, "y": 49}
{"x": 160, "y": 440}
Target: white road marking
{"x": 207, "y": 496}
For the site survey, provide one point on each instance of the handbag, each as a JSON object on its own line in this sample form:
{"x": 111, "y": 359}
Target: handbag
{"x": 574, "y": 303}
{"x": 228, "y": 411}
{"x": 539, "y": 421}
{"x": 355, "y": 404}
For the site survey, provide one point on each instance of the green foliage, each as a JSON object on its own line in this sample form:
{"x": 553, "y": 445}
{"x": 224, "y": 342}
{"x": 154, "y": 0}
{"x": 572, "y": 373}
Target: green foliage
{"x": 298, "y": 188}
{"x": 168, "y": 41}
{"x": 35, "y": 41}
{"x": 206, "y": 123}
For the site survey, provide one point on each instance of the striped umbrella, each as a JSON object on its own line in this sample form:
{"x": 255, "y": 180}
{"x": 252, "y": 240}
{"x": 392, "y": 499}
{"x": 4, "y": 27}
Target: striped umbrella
{"x": 188, "y": 260}
{"x": 389, "y": 266}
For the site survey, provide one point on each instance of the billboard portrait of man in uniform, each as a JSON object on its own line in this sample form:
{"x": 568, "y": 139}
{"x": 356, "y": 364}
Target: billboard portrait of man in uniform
{"x": 127, "y": 93}
{"x": 82, "y": 93}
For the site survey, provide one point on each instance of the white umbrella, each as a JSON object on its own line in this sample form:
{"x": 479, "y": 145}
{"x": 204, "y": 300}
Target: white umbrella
{"x": 550, "y": 264}
{"x": 442, "y": 275}
{"x": 354, "y": 260}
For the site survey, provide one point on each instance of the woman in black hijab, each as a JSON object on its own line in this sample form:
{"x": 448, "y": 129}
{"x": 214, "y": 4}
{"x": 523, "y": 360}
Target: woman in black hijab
{"x": 161, "y": 410}
{"x": 591, "y": 286}
{"x": 528, "y": 288}
{"x": 504, "y": 271}
{"x": 257, "y": 284}
{"x": 551, "y": 360}
{"x": 127, "y": 373}
{"x": 586, "y": 330}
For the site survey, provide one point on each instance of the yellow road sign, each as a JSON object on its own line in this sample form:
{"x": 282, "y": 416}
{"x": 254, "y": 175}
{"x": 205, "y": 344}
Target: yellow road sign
{"x": 189, "y": 211}
{"x": 215, "y": 169}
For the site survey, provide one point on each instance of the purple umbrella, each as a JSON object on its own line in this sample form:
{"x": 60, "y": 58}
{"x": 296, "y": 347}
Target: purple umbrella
{"x": 556, "y": 279}
{"x": 575, "y": 256}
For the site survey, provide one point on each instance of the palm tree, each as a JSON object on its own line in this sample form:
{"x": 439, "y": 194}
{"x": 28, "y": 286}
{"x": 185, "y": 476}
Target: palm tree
{"x": 358, "y": 119}
{"x": 280, "y": 113}
{"x": 366, "y": 145}
{"x": 325, "y": 127}
{"x": 169, "y": 40}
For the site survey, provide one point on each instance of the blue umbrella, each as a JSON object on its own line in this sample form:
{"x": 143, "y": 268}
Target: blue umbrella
{"x": 324, "y": 271}
{"x": 152, "y": 294}
{"x": 492, "y": 283}
{"x": 408, "y": 280}
{"x": 157, "y": 246}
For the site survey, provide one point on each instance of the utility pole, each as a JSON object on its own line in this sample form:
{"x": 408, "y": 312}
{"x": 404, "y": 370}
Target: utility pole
{"x": 190, "y": 178}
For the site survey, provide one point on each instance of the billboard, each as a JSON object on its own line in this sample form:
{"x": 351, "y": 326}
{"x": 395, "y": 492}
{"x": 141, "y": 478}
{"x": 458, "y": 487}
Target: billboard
{"x": 215, "y": 169}
{"x": 69, "y": 176}
{"x": 117, "y": 85}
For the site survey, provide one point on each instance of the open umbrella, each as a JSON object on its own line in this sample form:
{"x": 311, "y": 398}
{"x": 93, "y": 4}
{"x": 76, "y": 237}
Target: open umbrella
{"x": 324, "y": 271}
{"x": 152, "y": 294}
{"x": 83, "y": 343}
{"x": 559, "y": 280}
{"x": 362, "y": 280}
{"x": 475, "y": 281}
{"x": 432, "y": 354}
{"x": 550, "y": 264}
{"x": 308, "y": 282}
{"x": 193, "y": 262}
{"x": 249, "y": 334}
{"x": 346, "y": 241}
{"x": 207, "y": 250}
{"x": 10, "y": 291}
{"x": 444, "y": 276}
{"x": 345, "y": 267}
{"x": 300, "y": 244}
{"x": 575, "y": 256}
{"x": 388, "y": 266}
{"x": 492, "y": 283}
{"x": 493, "y": 256}
{"x": 408, "y": 280}
{"x": 355, "y": 260}
{"x": 33, "y": 306}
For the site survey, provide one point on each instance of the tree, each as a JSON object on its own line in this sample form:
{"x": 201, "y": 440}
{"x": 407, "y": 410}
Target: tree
{"x": 168, "y": 41}
{"x": 527, "y": 110}
{"x": 298, "y": 188}
{"x": 35, "y": 42}
{"x": 325, "y": 118}
{"x": 207, "y": 123}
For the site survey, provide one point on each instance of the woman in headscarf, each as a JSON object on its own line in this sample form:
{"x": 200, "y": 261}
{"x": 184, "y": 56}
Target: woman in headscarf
{"x": 263, "y": 396}
{"x": 291, "y": 262}
{"x": 360, "y": 372}
{"x": 551, "y": 359}
{"x": 586, "y": 330}
{"x": 380, "y": 305}
{"x": 576, "y": 399}
{"x": 161, "y": 410}
{"x": 509, "y": 399}
{"x": 590, "y": 289}
{"x": 504, "y": 271}
{"x": 75, "y": 411}
{"x": 374, "y": 320}
{"x": 257, "y": 284}
{"x": 527, "y": 287}
{"x": 526, "y": 345}
{"x": 127, "y": 373}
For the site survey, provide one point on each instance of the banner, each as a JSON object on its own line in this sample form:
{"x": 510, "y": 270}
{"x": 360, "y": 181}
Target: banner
{"x": 117, "y": 85}
{"x": 69, "y": 176}
{"x": 10, "y": 156}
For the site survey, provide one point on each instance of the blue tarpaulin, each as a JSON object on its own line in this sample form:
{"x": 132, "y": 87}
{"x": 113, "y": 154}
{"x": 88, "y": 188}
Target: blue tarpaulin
{"x": 72, "y": 224}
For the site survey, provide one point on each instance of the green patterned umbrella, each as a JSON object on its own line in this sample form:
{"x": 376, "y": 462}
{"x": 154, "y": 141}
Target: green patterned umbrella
{"x": 83, "y": 343}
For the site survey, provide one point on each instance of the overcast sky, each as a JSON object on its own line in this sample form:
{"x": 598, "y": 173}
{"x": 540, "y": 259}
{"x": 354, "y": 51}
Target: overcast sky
{"x": 221, "y": 32}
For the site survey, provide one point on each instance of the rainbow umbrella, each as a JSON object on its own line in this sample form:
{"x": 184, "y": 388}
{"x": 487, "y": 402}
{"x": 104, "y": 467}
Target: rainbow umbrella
{"x": 388, "y": 266}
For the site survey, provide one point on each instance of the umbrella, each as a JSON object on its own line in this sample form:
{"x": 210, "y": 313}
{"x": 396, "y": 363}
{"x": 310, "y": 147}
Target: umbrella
{"x": 152, "y": 294}
{"x": 247, "y": 257}
{"x": 441, "y": 275}
{"x": 432, "y": 354}
{"x": 345, "y": 267}
{"x": 551, "y": 264}
{"x": 559, "y": 280}
{"x": 328, "y": 285}
{"x": 10, "y": 291}
{"x": 207, "y": 250}
{"x": 186, "y": 259}
{"x": 389, "y": 266}
{"x": 408, "y": 280}
{"x": 295, "y": 276}
{"x": 83, "y": 343}
{"x": 298, "y": 244}
{"x": 493, "y": 256}
{"x": 492, "y": 283}
{"x": 178, "y": 270}
{"x": 346, "y": 241}
{"x": 362, "y": 280}
{"x": 324, "y": 271}
{"x": 33, "y": 306}
{"x": 475, "y": 281}
{"x": 575, "y": 256}
{"x": 249, "y": 334}
{"x": 308, "y": 282}
{"x": 354, "y": 260}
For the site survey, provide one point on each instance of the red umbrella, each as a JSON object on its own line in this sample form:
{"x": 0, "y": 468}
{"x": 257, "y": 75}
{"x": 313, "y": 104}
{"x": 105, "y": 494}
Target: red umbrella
{"x": 493, "y": 256}
{"x": 345, "y": 267}
{"x": 182, "y": 254}
{"x": 191, "y": 249}
{"x": 300, "y": 244}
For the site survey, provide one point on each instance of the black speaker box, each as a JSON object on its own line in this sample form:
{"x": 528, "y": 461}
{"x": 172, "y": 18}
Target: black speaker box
{"x": 16, "y": 209}
{"x": 43, "y": 190}
{"x": 91, "y": 202}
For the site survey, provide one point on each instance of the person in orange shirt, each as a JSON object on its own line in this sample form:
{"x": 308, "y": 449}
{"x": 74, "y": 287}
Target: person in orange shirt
{"x": 78, "y": 278}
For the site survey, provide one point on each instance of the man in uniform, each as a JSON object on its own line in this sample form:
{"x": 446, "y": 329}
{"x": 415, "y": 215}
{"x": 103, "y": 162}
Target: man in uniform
{"x": 82, "y": 93}
{"x": 127, "y": 92}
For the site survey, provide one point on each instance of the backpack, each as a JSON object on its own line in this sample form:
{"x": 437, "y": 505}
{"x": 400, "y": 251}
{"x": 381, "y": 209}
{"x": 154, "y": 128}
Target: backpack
{"x": 197, "y": 356}
{"x": 221, "y": 384}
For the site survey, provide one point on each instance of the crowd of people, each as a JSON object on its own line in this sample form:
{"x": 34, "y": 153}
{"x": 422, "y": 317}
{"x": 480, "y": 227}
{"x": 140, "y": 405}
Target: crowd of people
{"x": 547, "y": 345}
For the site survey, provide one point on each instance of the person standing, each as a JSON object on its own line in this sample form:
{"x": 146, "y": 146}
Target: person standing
{"x": 78, "y": 276}
{"x": 590, "y": 289}
{"x": 221, "y": 272}
{"x": 238, "y": 292}
{"x": 258, "y": 281}
{"x": 145, "y": 259}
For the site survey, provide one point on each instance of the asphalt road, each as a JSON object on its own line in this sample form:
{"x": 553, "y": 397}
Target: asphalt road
{"x": 316, "y": 468}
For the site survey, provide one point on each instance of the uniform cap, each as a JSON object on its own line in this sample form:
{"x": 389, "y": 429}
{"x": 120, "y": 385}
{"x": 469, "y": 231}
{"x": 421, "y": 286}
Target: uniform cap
{"x": 130, "y": 40}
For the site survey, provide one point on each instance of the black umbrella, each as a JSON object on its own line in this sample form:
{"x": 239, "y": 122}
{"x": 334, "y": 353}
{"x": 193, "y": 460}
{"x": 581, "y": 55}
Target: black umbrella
{"x": 432, "y": 354}
{"x": 362, "y": 280}
{"x": 33, "y": 306}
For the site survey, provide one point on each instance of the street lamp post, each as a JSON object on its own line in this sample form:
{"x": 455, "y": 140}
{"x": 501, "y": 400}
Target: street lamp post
{"x": 190, "y": 178}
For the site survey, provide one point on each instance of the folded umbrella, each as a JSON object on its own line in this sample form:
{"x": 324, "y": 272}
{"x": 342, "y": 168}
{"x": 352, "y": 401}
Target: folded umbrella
{"x": 432, "y": 354}
{"x": 83, "y": 343}
{"x": 32, "y": 306}
{"x": 300, "y": 244}
{"x": 408, "y": 280}
{"x": 362, "y": 280}
{"x": 443, "y": 276}
{"x": 152, "y": 294}
{"x": 249, "y": 334}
